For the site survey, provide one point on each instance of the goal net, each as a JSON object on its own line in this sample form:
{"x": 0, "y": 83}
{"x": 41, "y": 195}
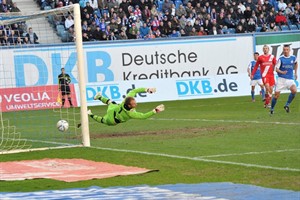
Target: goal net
{"x": 34, "y": 93}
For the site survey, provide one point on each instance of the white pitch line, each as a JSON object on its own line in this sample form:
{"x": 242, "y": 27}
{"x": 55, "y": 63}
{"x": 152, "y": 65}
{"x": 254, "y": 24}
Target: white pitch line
{"x": 225, "y": 121}
{"x": 50, "y": 142}
{"x": 199, "y": 159}
{"x": 247, "y": 153}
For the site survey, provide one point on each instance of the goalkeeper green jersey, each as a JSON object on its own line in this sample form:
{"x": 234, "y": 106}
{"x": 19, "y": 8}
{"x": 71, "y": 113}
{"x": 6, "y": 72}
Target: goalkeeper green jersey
{"x": 117, "y": 113}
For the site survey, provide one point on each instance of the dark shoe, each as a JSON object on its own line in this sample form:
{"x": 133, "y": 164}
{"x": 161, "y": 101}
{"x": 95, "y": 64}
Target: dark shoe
{"x": 287, "y": 109}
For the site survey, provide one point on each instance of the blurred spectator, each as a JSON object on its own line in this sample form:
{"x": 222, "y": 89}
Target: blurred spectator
{"x": 12, "y": 38}
{"x": 4, "y": 7}
{"x": 280, "y": 19}
{"x": 248, "y": 13}
{"x": 123, "y": 35}
{"x": 293, "y": 19}
{"x": 251, "y": 26}
{"x": 271, "y": 18}
{"x": 182, "y": 33}
{"x": 214, "y": 31}
{"x": 239, "y": 29}
{"x": 154, "y": 11}
{"x": 94, "y": 4}
{"x": 264, "y": 28}
{"x": 229, "y": 22}
{"x": 241, "y": 6}
{"x": 85, "y": 37}
{"x": 69, "y": 23}
{"x": 89, "y": 9}
{"x": 113, "y": 37}
{"x": 144, "y": 30}
{"x": 281, "y": 5}
{"x": 166, "y": 5}
{"x": 261, "y": 20}
{"x": 97, "y": 34}
{"x": 289, "y": 9}
{"x": 267, "y": 6}
{"x": 150, "y": 35}
{"x": 193, "y": 32}
{"x": 32, "y": 37}
{"x": 250, "y": 4}
{"x": 14, "y": 8}
{"x": 188, "y": 28}
{"x": 273, "y": 27}
{"x": 19, "y": 41}
{"x": 174, "y": 33}
{"x": 244, "y": 24}
{"x": 201, "y": 31}
{"x": 147, "y": 19}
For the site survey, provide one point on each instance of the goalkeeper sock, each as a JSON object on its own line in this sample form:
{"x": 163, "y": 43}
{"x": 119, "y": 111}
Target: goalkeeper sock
{"x": 290, "y": 99}
{"x": 252, "y": 94}
{"x": 63, "y": 101}
{"x": 70, "y": 101}
{"x": 104, "y": 100}
{"x": 97, "y": 118}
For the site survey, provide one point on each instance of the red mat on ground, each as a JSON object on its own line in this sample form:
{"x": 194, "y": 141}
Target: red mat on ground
{"x": 69, "y": 170}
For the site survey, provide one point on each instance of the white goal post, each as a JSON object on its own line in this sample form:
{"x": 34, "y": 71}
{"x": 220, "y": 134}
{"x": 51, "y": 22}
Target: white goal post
{"x": 29, "y": 105}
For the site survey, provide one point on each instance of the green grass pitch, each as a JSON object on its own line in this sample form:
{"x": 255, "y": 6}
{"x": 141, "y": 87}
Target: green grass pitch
{"x": 193, "y": 141}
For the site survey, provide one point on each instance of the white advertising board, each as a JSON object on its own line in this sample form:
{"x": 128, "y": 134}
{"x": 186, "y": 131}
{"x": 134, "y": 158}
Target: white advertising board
{"x": 171, "y": 89}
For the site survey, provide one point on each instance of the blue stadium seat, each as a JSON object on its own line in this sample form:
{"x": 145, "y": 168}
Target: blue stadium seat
{"x": 225, "y": 31}
{"x": 258, "y": 29}
{"x": 285, "y": 28}
{"x": 231, "y": 30}
{"x": 178, "y": 3}
{"x": 293, "y": 27}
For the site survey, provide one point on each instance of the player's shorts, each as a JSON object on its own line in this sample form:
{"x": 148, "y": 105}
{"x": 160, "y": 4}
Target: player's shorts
{"x": 284, "y": 84}
{"x": 269, "y": 80}
{"x": 110, "y": 117}
{"x": 65, "y": 90}
{"x": 256, "y": 82}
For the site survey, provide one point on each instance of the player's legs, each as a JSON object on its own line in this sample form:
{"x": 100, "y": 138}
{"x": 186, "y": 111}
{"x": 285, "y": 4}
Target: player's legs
{"x": 252, "y": 93}
{"x": 274, "y": 101}
{"x": 268, "y": 94}
{"x": 98, "y": 118}
{"x": 292, "y": 95}
{"x": 269, "y": 82}
{"x": 109, "y": 118}
{"x": 68, "y": 92}
{"x": 262, "y": 89}
{"x": 70, "y": 100}
{"x": 102, "y": 98}
{"x": 63, "y": 99}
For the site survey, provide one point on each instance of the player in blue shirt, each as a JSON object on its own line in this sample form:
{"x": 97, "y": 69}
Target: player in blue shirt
{"x": 286, "y": 67}
{"x": 256, "y": 78}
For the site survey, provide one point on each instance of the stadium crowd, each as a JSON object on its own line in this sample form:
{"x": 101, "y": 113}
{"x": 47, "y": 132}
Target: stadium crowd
{"x": 148, "y": 19}
{"x": 15, "y": 34}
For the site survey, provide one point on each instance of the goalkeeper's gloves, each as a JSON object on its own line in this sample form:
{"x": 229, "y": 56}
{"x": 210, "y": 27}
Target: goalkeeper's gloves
{"x": 159, "y": 108}
{"x": 151, "y": 90}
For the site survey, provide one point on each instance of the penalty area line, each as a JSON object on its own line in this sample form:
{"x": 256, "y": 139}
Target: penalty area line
{"x": 198, "y": 159}
{"x": 224, "y": 121}
{"x": 248, "y": 153}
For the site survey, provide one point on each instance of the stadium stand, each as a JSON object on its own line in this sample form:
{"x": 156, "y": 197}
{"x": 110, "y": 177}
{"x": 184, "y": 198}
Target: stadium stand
{"x": 124, "y": 19}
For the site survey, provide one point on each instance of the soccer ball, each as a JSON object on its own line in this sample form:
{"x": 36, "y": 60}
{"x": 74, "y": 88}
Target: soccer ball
{"x": 62, "y": 125}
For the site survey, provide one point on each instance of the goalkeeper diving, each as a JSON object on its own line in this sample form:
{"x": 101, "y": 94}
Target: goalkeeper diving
{"x": 120, "y": 113}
